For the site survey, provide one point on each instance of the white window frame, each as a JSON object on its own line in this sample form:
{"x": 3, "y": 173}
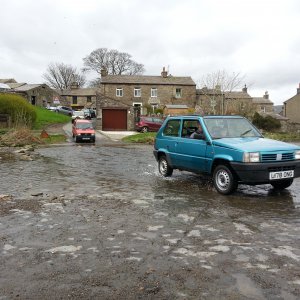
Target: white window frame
{"x": 178, "y": 92}
{"x": 153, "y": 92}
{"x": 137, "y": 92}
{"x": 119, "y": 92}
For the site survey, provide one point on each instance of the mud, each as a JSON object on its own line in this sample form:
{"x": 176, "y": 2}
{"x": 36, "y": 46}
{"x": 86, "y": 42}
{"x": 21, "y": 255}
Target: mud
{"x": 87, "y": 222}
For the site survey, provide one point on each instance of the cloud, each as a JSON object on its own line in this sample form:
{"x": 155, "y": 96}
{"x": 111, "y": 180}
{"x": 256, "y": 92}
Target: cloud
{"x": 258, "y": 38}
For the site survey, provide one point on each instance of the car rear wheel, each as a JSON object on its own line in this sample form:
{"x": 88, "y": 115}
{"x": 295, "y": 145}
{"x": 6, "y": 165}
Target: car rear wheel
{"x": 283, "y": 184}
{"x": 164, "y": 167}
{"x": 144, "y": 129}
{"x": 224, "y": 180}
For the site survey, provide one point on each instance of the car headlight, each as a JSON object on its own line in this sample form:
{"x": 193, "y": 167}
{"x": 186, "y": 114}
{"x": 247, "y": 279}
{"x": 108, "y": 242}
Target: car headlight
{"x": 252, "y": 157}
{"x": 79, "y": 134}
{"x": 92, "y": 134}
{"x": 297, "y": 154}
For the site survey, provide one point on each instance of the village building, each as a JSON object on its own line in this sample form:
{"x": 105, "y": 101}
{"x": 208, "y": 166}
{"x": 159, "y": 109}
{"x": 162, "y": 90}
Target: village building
{"x": 78, "y": 98}
{"x": 291, "y": 108}
{"x": 123, "y": 98}
{"x": 263, "y": 104}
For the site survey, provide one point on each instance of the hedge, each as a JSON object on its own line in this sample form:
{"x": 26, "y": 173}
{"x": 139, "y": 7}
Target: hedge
{"x": 21, "y": 112}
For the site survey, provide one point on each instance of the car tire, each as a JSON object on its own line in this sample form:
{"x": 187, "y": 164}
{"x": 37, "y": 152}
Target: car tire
{"x": 283, "y": 184}
{"x": 76, "y": 139}
{"x": 164, "y": 167}
{"x": 224, "y": 180}
{"x": 144, "y": 129}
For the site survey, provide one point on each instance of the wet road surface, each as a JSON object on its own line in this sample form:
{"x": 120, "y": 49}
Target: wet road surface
{"x": 99, "y": 222}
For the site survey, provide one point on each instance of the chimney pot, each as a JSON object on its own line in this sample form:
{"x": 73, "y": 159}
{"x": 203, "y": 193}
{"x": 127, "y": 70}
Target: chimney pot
{"x": 104, "y": 72}
{"x": 164, "y": 73}
{"x": 266, "y": 95}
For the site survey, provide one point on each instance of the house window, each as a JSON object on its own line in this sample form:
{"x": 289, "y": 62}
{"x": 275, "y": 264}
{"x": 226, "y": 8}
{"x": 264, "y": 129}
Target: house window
{"x": 119, "y": 92}
{"x": 178, "y": 93}
{"x": 153, "y": 92}
{"x": 74, "y": 99}
{"x": 89, "y": 99}
{"x": 137, "y": 92}
{"x": 263, "y": 109}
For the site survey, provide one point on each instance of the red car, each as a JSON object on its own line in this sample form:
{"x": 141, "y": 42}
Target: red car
{"x": 83, "y": 131}
{"x": 146, "y": 124}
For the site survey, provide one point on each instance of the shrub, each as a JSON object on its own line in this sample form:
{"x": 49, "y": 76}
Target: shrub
{"x": 266, "y": 123}
{"x": 21, "y": 112}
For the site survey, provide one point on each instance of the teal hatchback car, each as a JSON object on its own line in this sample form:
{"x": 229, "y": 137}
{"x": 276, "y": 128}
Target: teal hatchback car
{"x": 229, "y": 148}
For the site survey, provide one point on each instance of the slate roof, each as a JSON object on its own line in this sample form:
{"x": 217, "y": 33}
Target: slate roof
{"x": 15, "y": 84}
{"x": 79, "y": 92}
{"x": 27, "y": 87}
{"x": 261, "y": 100}
{"x": 142, "y": 79}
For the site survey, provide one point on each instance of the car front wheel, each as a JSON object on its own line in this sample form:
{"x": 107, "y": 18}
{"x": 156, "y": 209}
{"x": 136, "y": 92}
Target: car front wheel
{"x": 224, "y": 180}
{"x": 164, "y": 167}
{"x": 281, "y": 185}
{"x": 145, "y": 129}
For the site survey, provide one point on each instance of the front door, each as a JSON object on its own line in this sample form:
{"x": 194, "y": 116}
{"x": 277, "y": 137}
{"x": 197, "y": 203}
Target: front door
{"x": 33, "y": 100}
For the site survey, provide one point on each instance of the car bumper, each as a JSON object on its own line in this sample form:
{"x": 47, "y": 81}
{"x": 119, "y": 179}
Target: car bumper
{"x": 81, "y": 138}
{"x": 258, "y": 173}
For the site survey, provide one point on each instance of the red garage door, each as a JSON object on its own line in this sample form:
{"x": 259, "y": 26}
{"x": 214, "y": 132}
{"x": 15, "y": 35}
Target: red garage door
{"x": 114, "y": 119}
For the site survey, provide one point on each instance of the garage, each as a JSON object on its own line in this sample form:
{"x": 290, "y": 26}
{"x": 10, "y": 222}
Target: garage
{"x": 114, "y": 119}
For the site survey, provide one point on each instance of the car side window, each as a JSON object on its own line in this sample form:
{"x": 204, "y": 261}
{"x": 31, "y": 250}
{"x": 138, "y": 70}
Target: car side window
{"x": 172, "y": 128}
{"x": 189, "y": 127}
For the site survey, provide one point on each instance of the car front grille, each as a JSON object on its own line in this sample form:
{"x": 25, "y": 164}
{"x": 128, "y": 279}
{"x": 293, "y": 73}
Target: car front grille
{"x": 282, "y": 168}
{"x": 269, "y": 157}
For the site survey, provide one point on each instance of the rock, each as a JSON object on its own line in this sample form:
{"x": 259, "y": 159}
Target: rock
{"x": 37, "y": 194}
{"x": 5, "y": 197}
{"x": 25, "y": 157}
{"x": 29, "y": 148}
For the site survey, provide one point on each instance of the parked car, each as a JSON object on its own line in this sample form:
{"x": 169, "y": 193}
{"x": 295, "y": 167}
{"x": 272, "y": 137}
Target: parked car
{"x": 77, "y": 114}
{"x": 65, "y": 110}
{"x": 52, "y": 108}
{"x": 83, "y": 131}
{"x": 230, "y": 149}
{"x": 146, "y": 124}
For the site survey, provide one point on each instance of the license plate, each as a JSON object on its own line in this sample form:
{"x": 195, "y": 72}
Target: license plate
{"x": 86, "y": 138}
{"x": 281, "y": 175}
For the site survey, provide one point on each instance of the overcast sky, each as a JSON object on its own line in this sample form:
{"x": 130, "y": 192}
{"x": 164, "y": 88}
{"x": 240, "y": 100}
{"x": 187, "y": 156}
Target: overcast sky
{"x": 260, "y": 39}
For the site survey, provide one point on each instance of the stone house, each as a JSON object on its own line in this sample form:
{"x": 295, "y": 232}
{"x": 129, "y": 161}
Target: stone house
{"x": 125, "y": 97}
{"x": 78, "y": 98}
{"x": 36, "y": 94}
{"x": 291, "y": 108}
{"x": 217, "y": 102}
{"x": 263, "y": 104}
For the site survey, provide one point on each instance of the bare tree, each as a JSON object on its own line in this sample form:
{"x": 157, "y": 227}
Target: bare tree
{"x": 215, "y": 87}
{"x": 113, "y": 61}
{"x": 61, "y": 76}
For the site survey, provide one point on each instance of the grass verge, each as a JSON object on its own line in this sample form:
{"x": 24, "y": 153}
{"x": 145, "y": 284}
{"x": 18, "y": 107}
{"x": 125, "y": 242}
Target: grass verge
{"x": 143, "y": 138}
{"x": 47, "y": 117}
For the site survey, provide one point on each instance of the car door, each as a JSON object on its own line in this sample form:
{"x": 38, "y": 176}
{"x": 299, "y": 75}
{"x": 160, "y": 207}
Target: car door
{"x": 169, "y": 139}
{"x": 191, "y": 153}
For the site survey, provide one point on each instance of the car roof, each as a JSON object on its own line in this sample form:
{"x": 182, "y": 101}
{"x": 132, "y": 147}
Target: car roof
{"x": 83, "y": 121}
{"x": 207, "y": 116}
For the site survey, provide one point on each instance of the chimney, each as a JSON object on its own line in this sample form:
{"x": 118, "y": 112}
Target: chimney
{"x": 164, "y": 73}
{"x": 266, "y": 95}
{"x": 245, "y": 89}
{"x": 103, "y": 72}
{"x": 74, "y": 85}
{"x": 298, "y": 90}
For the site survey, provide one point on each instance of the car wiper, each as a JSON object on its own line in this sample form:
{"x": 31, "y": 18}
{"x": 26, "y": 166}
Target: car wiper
{"x": 247, "y": 131}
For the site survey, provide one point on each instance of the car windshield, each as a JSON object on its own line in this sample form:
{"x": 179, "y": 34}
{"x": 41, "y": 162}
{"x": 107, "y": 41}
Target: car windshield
{"x": 230, "y": 128}
{"x": 84, "y": 126}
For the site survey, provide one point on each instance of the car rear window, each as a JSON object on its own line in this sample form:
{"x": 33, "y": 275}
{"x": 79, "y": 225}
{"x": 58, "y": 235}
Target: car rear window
{"x": 172, "y": 128}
